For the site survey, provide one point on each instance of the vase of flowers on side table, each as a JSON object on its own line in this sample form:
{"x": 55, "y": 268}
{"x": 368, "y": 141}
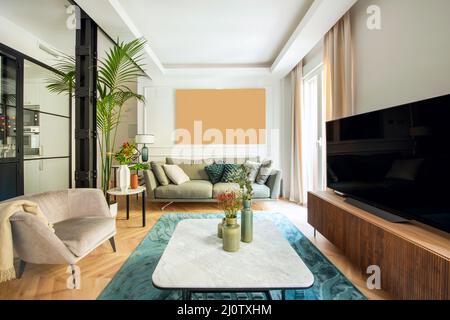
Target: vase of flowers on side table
{"x": 125, "y": 156}
{"x": 230, "y": 202}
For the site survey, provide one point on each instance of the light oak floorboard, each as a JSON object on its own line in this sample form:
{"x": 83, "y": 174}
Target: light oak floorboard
{"x": 98, "y": 268}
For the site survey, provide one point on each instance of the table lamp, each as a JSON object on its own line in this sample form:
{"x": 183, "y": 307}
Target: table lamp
{"x": 145, "y": 139}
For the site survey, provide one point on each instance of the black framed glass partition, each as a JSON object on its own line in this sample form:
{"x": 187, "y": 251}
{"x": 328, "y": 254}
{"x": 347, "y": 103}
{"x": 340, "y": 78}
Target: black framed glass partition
{"x": 46, "y": 133}
{"x": 35, "y": 128}
{"x": 11, "y": 183}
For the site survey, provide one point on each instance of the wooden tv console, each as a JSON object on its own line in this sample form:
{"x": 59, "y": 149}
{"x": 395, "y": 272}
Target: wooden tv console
{"x": 414, "y": 259}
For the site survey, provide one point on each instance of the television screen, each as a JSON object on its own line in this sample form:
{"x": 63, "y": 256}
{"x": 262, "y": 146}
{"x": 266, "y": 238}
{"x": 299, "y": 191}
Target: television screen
{"x": 396, "y": 159}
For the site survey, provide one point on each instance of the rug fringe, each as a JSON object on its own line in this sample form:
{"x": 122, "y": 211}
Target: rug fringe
{"x": 6, "y": 275}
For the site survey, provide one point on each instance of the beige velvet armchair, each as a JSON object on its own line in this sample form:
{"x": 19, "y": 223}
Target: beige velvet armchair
{"x": 81, "y": 219}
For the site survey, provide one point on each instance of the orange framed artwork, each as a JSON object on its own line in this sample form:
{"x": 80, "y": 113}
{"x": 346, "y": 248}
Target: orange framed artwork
{"x": 229, "y": 116}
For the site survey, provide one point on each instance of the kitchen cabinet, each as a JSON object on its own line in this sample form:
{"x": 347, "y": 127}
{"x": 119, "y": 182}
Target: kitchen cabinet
{"x": 46, "y": 175}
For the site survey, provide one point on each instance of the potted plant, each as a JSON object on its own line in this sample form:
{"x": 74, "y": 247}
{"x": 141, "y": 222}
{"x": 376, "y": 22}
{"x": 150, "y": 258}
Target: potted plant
{"x": 230, "y": 202}
{"x": 123, "y": 65}
{"x": 135, "y": 176}
{"x": 125, "y": 156}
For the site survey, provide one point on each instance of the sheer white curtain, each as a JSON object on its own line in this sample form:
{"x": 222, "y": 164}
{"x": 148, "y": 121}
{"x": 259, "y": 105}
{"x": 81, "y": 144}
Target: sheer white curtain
{"x": 307, "y": 154}
{"x": 296, "y": 189}
{"x": 310, "y": 136}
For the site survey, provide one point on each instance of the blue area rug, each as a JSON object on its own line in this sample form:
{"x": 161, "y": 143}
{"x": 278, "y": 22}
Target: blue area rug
{"x": 133, "y": 281}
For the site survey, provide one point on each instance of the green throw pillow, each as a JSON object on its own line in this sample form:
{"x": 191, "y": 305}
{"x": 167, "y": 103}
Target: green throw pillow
{"x": 230, "y": 172}
{"x": 160, "y": 174}
{"x": 215, "y": 172}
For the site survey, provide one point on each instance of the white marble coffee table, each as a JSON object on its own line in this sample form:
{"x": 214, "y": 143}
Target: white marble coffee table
{"x": 194, "y": 261}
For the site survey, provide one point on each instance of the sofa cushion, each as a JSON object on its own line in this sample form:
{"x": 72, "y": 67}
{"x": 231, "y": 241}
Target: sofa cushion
{"x": 261, "y": 191}
{"x": 176, "y": 174}
{"x": 195, "y": 189}
{"x": 179, "y": 161}
{"x": 215, "y": 172}
{"x": 231, "y": 172}
{"x": 81, "y": 235}
{"x": 253, "y": 169}
{"x": 264, "y": 172}
{"x": 222, "y": 187}
{"x": 195, "y": 171}
{"x": 160, "y": 174}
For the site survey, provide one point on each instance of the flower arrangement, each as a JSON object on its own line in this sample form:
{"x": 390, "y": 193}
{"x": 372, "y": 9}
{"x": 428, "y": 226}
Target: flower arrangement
{"x": 241, "y": 178}
{"x": 127, "y": 153}
{"x": 230, "y": 202}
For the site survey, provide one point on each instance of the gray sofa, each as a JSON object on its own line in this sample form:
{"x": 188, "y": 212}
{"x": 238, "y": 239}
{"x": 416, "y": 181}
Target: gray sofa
{"x": 81, "y": 219}
{"x": 204, "y": 190}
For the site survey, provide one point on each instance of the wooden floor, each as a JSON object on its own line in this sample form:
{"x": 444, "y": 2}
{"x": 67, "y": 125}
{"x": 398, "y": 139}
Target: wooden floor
{"x": 97, "y": 269}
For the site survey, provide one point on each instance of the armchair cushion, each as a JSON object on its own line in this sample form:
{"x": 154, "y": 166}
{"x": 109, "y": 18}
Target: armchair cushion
{"x": 82, "y": 235}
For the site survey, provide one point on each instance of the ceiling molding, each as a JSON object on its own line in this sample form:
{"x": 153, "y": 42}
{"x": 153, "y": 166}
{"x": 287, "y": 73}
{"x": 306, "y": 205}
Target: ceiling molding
{"x": 136, "y": 33}
{"x": 219, "y": 71}
{"x": 320, "y": 18}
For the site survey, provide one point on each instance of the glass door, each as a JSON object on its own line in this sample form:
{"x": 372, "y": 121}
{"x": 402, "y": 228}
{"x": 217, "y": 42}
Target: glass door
{"x": 10, "y": 139}
{"x": 46, "y": 133}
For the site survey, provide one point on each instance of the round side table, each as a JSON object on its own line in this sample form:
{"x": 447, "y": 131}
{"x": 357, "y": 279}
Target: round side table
{"x": 129, "y": 192}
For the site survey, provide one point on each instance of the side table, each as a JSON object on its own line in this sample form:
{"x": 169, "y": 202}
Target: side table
{"x": 129, "y": 192}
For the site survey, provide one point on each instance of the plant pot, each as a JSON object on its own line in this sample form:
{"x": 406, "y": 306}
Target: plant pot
{"x": 231, "y": 235}
{"x": 123, "y": 178}
{"x": 220, "y": 228}
{"x": 134, "y": 181}
{"x": 247, "y": 222}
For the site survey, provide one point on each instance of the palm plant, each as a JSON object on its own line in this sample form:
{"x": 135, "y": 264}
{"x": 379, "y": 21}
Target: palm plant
{"x": 123, "y": 65}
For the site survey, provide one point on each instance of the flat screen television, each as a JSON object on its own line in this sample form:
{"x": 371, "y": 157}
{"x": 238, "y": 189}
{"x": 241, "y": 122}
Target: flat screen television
{"x": 396, "y": 160}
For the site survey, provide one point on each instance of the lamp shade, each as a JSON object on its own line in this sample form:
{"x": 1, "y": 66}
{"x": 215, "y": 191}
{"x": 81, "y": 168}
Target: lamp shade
{"x": 145, "y": 139}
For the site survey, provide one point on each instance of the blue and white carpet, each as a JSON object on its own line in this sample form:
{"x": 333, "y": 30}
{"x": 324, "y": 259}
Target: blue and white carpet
{"x": 134, "y": 279}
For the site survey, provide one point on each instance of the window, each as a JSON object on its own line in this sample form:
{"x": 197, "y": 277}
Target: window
{"x": 313, "y": 132}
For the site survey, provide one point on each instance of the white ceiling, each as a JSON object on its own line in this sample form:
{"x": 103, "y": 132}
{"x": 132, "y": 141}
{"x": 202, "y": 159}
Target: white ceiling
{"x": 248, "y": 38}
{"x": 219, "y": 38}
{"x": 216, "y": 32}
{"x": 45, "y": 19}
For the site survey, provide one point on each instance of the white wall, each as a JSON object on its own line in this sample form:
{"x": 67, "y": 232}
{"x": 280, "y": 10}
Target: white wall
{"x": 408, "y": 59}
{"x": 158, "y": 116}
{"x": 126, "y": 130}
{"x": 22, "y": 40}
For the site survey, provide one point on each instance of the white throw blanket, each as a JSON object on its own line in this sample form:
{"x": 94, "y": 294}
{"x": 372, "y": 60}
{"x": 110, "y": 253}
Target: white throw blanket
{"x": 7, "y": 209}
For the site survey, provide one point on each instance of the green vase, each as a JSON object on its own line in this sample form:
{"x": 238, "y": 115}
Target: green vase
{"x": 247, "y": 222}
{"x": 231, "y": 235}
{"x": 220, "y": 228}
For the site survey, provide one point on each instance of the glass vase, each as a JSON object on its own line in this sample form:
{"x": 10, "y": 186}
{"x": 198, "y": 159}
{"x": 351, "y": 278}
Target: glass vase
{"x": 247, "y": 222}
{"x": 220, "y": 228}
{"x": 231, "y": 235}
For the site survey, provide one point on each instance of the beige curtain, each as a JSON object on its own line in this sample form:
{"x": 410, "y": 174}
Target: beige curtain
{"x": 296, "y": 174}
{"x": 338, "y": 65}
